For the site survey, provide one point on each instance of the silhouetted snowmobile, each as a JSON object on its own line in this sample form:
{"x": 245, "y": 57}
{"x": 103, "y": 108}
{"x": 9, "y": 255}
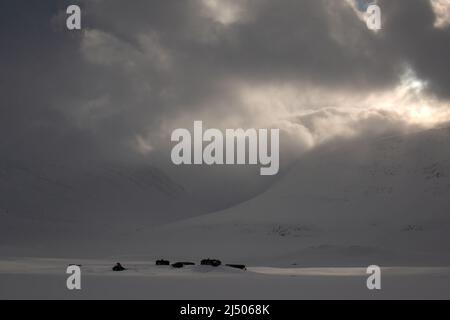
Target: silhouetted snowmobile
{"x": 162, "y": 262}
{"x": 211, "y": 262}
{"x": 118, "y": 267}
{"x": 237, "y": 266}
{"x": 182, "y": 264}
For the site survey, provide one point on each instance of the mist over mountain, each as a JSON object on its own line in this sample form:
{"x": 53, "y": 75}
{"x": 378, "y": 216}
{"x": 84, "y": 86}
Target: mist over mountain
{"x": 348, "y": 203}
{"x": 46, "y": 206}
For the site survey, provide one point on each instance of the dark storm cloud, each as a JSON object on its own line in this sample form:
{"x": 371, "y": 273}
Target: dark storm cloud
{"x": 276, "y": 40}
{"x": 92, "y": 93}
{"x": 32, "y": 78}
{"x": 409, "y": 30}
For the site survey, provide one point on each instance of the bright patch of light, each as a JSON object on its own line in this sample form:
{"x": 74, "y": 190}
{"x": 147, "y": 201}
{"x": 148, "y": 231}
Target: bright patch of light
{"x": 441, "y": 9}
{"x": 225, "y": 12}
{"x": 312, "y": 115}
{"x": 410, "y": 101}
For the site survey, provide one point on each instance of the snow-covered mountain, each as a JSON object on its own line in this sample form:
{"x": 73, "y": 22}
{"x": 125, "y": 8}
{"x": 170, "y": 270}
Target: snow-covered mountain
{"x": 383, "y": 202}
{"x": 85, "y": 207}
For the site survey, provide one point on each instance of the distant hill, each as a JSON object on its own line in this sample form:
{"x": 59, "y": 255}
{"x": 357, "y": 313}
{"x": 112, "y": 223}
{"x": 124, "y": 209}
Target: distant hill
{"x": 384, "y": 201}
{"x": 46, "y": 207}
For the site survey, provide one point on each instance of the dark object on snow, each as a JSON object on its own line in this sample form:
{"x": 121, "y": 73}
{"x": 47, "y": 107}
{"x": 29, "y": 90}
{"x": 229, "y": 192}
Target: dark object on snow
{"x": 162, "y": 262}
{"x": 211, "y": 262}
{"x": 237, "y": 266}
{"x": 118, "y": 267}
{"x": 177, "y": 265}
{"x": 182, "y": 264}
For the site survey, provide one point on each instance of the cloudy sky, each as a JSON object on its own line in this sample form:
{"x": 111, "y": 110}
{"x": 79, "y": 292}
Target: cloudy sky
{"x": 115, "y": 90}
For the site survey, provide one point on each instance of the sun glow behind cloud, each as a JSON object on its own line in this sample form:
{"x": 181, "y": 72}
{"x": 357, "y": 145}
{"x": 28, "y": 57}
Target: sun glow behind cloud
{"x": 441, "y": 9}
{"x": 315, "y": 115}
{"x": 412, "y": 102}
{"x": 225, "y": 12}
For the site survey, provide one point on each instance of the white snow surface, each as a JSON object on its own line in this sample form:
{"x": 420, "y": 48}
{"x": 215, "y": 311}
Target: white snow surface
{"x": 39, "y": 278}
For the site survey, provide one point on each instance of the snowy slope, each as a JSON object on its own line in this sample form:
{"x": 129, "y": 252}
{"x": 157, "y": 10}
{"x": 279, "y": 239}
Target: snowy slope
{"x": 83, "y": 207}
{"x": 383, "y": 202}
